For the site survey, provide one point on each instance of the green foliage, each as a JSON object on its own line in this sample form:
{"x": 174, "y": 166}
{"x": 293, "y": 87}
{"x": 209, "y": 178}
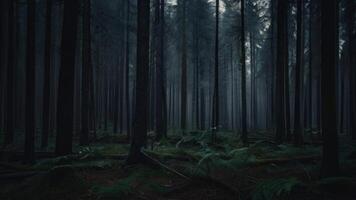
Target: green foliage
{"x": 139, "y": 179}
{"x": 274, "y": 188}
{"x": 120, "y": 190}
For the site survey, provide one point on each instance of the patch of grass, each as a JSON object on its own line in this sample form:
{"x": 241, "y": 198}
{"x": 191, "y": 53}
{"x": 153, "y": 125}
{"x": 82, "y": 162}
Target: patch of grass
{"x": 274, "y": 189}
{"x": 140, "y": 178}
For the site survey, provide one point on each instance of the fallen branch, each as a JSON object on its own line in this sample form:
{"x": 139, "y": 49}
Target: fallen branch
{"x": 164, "y": 166}
{"x": 286, "y": 160}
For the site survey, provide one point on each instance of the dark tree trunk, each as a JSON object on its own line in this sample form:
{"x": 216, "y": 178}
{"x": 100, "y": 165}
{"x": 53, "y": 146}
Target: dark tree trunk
{"x": 184, "y": 70}
{"x": 282, "y": 63}
{"x": 243, "y": 75}
{"x": 127, "y": 76}
{"x": 30, "y": 84}
{"x": 47, "y": 76}
{"x": 84, "y": 136}
{"x": 351, "y": 35}
{"x": 216, "y": 117}
{"x": 202, "y": 109}
{"x": 329, "y": 51}
{"x": 139, "y": 136}
{"x": 298, "y": 130}
{"x": 160, "y": 83}
{"x": 9, "y": 131}
{"x": 310, "y": 95}
{"x": 66, "y": 79}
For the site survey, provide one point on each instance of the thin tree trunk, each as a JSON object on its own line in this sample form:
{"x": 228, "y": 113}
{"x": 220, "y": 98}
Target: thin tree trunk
{"x": 47, "y": 76}
{"x": 243, "y": 75}
{"x": 84, "y": 136}
{"x": 9, "y": 131}
{"x": 298, "y": 130}
{"x": 184, "y": 71}
{"x": 30, "y": 84}
{"x": 216, "y": 117}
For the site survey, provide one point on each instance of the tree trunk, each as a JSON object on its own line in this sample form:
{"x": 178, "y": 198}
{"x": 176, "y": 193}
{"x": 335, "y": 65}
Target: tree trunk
{"x": 127, "y": 63}
{"x": 243, "y": 75}
{"x": 30, "y": 84}
{"x": 351, "y": 8}
{"x": 84, "y": 136}
{"x": 160, "y": 83}
{"x": 184, "y": 70}
{"x": 9, "y": 131}
{"x": 329, "y": 52}
{"x": 282, "y": 63}
{"x": 298, "y": 130}
{"x": 66, "y": 79}
{"x": 47, "y": 76}
{"x": 216, "y": 117}
{"x": 139, "y": 136}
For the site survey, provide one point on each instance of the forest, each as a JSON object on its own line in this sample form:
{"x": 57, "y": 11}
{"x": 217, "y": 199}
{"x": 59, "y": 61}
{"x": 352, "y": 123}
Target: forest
{"x": 177, "y": 99}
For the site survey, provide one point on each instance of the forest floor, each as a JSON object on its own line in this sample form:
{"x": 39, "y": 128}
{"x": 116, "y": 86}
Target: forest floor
{"x": 186, "y": 167}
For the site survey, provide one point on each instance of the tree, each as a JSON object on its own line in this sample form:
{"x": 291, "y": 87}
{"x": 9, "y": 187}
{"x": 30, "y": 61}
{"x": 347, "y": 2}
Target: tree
{"x": 216, "y": 124}
{"x": 351, "y": 47}
{"x": 84, "y": 136}
{"x": 184, "y": 70}
{"x": 139, "y": 134}
{"x": 127, "y": 63}
{"x": 30, "y": 84}
{"x": 47, "y": 75}
{"x": 243, "y": 74}
{"x": 161, "y": 122}
{"x": 329, "y": 52}
{"x": 9, "y": 131}
{"x": 300, "y": 51}
{"x": 66, "y": 78}
{"x": 282, "y": 63}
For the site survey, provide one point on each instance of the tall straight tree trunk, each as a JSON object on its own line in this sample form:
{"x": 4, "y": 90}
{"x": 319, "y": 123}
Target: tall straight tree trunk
{"x": 160, "y": 83}
{"x": 66, "y": 79}
{"x": 30, "y": 84}
{"x": 310, "y": 100}
{"x": 47, "y": 76}
{"x": 9, "y": 131}
{"x": 139, "y": 136}
{"x": 184, "y": 71}
{"x": 216, "y": 116}
{"x": 287, "y": 81}
{"x": 243, "y": 75}
{"x": 329, "y": 52}
{"x": 282, "y": 63}
{"x": 127, "y": 75}
{"x": 298, "y": 130}
{"x": 84, "y": 136}
{"x": 351, "y": 9}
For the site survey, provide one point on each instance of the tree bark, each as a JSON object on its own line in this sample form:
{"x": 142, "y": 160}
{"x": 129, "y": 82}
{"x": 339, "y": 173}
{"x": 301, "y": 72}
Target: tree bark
{"x": 329, "y": 52}
{"x": 66, "y": 79}
{"x": 298, "y": 130}
{"x": 243, "y": 75}
{"x": 9, "y": 131}
{"x": 282, "y": 63}
{"x": 139, "y": 136}
{"x": 30, "y": 84}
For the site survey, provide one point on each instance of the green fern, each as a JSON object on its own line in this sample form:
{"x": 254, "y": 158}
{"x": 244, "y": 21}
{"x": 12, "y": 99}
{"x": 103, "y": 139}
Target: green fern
{"x": 274, "y": 188}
